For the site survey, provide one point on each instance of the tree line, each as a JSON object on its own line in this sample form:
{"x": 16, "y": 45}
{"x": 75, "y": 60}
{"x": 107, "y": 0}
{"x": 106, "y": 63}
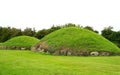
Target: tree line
{"x": 7, "y": 33}
{"x": 113, "y": 36}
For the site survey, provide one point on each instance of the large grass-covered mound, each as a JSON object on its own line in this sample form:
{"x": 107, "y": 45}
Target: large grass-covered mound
{"x": 20, "y": 42}
{"x": 76, "y": 41}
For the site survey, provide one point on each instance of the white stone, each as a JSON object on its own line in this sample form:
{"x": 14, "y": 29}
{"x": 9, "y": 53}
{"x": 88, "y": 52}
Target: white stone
{"x": 95, "y": 53}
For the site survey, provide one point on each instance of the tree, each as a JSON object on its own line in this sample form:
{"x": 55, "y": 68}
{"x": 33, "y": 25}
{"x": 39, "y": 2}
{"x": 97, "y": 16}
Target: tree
{"x": 91, "y": 29}
{"x": 28, "y": 32}
{"x": 15, "y": 32}
{"x": 41, "y": 33}
{"x": 107, "y": 32}
{"x": 8, "y": 32}
{"x": 113, "y": 36}
{"x": 69, "y": 25}
{"x": 5, "y": 34}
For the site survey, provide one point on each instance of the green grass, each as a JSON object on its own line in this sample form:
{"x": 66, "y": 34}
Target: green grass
{"x": 15, "y": 62}
{"x": 0, "y": 44}
{"x": 21, "y": 41}
{"x": 77, "y": 38}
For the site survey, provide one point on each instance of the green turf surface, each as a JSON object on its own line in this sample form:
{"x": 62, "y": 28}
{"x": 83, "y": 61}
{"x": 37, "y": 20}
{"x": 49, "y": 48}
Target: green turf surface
{"x": 0, "y": 44}
{"x": 78, "y": 39}
{"x": 21, "y": 41}
{"x": 15, "y": 62}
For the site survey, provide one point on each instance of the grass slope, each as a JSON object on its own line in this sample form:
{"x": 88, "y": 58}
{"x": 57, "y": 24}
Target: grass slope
{"x": 13, "y": 62}
{"x": 0, "y": 44}
{"x": 77, "y": 39}
{"x": 21, "y": 41}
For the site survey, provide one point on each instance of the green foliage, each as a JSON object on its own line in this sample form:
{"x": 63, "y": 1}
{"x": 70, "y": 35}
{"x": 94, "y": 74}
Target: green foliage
{"x": 14, "y": 62}
{"x": 41, "y": 33}
{"x": 77, "y": 38}
{"x": 113, "y": 36}
{"x": 8, "y": 32}
{"x": 107, "y": 32}
{"x": 29, "y": 32}
{"x": 21, "y": 41}
{"x": 68, "y": 25}
{"x": 91, "y": 29}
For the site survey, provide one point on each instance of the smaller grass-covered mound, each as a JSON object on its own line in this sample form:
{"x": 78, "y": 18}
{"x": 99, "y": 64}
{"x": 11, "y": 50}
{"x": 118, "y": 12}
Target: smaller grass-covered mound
{"x": 76, "y": 41}
{"x": 20, "y": 41}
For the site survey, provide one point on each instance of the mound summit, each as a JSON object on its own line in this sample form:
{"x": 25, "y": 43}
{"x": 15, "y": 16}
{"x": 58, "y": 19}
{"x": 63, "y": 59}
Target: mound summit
{"x": 20, "y": 42}
{"x": 75, "y": 41}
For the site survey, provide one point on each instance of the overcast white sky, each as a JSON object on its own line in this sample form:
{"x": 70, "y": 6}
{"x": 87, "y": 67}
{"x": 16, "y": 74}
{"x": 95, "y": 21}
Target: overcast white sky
{"x": 44, "y": 13}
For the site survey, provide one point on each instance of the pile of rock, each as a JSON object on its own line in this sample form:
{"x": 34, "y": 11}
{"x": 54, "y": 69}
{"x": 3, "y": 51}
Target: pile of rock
{"x": 69, "y": 52}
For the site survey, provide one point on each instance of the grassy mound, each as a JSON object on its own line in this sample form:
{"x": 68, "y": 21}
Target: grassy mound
{"x": 76, "y": 39}
{"x": 21, "y": 41}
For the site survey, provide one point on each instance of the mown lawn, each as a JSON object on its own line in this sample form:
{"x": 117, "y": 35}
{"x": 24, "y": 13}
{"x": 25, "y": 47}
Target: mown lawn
{"x": 15, "y": 62}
